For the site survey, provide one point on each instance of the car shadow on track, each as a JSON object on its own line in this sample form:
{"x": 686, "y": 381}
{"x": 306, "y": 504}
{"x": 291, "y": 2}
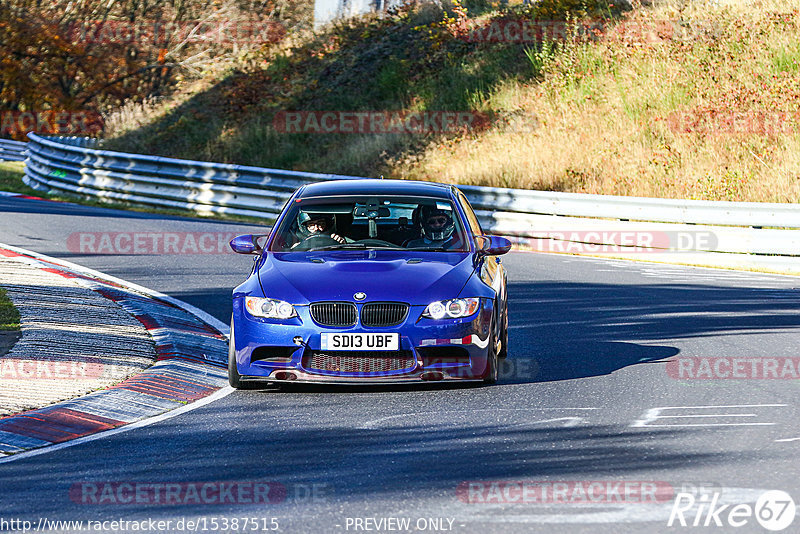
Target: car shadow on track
{"x": 567, "y": 330}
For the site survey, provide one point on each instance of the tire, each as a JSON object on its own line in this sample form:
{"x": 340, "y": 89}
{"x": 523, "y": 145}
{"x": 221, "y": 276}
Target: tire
{"x": 234, "y": 378}
{"x": 491, "y": 360}
{"x": 504, "y": 337}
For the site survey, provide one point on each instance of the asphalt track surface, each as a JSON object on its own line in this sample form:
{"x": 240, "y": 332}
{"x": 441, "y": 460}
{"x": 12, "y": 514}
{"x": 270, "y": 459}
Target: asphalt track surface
{"x": 584, "y": 396}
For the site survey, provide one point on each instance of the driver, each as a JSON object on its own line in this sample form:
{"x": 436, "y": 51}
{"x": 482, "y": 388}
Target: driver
{"x": 437, "y": 229}
{"x": 315, "y": 225}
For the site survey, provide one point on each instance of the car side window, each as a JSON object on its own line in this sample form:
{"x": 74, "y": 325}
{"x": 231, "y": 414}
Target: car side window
{"x": 472, "y": 219}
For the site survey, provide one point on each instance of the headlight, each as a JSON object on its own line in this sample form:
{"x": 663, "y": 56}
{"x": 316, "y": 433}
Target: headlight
{"x": 269, "y": 308}
{"x": 452, "y": 309}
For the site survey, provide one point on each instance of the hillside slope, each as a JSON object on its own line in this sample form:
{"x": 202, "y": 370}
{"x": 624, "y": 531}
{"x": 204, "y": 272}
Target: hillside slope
{"x": 684, "y": 99}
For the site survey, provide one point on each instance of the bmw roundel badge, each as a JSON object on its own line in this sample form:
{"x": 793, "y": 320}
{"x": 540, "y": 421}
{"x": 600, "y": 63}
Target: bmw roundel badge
{"x": 360, "y": 296}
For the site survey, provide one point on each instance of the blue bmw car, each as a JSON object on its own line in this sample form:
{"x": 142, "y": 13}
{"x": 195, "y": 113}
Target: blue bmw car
{"x": 371, "y": 281}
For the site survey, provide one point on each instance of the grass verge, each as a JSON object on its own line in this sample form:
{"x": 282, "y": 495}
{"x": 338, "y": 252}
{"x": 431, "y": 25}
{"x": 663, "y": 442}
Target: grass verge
{"x": 9, "y": 316}
{"x": 11, "y": 173}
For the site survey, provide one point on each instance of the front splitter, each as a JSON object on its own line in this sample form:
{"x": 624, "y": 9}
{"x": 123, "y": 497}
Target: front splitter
{"x": 311, "y": 378}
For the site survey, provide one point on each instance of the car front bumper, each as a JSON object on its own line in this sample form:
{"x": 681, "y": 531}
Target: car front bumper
{"x": 445, "y": 350}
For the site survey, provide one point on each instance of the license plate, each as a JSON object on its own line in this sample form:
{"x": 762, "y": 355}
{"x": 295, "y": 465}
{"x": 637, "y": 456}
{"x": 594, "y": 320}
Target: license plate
{"x": 369, "y": 341}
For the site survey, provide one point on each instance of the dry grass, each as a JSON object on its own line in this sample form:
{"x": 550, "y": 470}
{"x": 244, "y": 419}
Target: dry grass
{"x": 132, "y": 116}
{"x": 596, "y": 116}
{"x": 600, "y": 114}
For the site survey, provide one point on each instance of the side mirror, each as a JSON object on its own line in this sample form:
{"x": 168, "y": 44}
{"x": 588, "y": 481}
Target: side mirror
{"x": 493, "y": 245}
{"x": 246, "y": 244}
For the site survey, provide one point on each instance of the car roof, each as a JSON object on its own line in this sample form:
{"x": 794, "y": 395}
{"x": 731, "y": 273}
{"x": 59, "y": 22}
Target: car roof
{"x": 375, "y": 187}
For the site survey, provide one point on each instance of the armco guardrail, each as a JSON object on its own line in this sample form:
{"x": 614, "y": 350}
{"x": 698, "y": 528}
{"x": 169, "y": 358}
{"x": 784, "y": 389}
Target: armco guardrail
{"x": 755, "y": 214}
{"x": 12, "y": 150}
{"x": 74, "y": 165}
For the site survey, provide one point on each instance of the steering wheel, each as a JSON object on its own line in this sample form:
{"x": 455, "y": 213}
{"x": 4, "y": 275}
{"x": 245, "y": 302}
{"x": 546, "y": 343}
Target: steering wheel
{"x": 375, "y": 242}
{"x": 314, "y": 241}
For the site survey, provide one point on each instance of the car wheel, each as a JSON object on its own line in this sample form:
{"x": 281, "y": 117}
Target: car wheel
{"x": 504, "y": 337}
{"x": 234, "y": 378}
{"x": 491, "y": 359}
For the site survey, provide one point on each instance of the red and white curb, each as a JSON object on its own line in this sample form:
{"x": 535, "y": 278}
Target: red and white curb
{"x": 9, "y": 194}
{"x": 190, "y": 371}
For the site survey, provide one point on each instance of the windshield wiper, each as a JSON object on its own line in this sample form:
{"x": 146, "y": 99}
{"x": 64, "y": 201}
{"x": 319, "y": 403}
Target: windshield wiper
{"x": 341, "y": 246}
{"x": 356, "y": 246}
{"x": 429, "y": 249}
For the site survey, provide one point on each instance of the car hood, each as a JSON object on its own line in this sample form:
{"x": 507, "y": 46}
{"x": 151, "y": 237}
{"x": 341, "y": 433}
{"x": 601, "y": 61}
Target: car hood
{"x": 305, "y": 277}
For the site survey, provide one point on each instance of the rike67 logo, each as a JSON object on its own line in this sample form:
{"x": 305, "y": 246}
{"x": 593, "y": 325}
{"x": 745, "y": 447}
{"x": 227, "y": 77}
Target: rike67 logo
{"x": 774, "y": 510}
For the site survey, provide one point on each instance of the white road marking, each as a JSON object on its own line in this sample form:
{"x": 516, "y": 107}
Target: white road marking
{"x": 570, "y": 421}
{"x": 654, "y": 414}
{"x": 711, "y": 424}
{"x": 573, "y": 421}
{"x": 714, "y": 415}
{"x": 726, "y": 406}
{"x": 786, "y": 440}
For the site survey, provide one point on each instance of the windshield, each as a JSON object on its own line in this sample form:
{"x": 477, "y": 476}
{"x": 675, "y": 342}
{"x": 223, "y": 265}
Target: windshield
{"x": 382, "y": 222}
